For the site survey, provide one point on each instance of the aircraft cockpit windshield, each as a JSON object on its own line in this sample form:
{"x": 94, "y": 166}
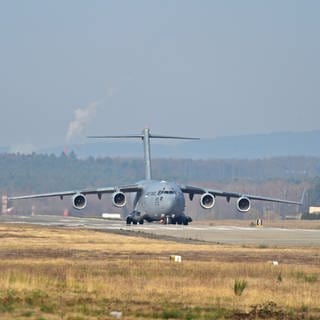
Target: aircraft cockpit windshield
{"x": 166, "y": 192}
{"x": 169, "y": 192}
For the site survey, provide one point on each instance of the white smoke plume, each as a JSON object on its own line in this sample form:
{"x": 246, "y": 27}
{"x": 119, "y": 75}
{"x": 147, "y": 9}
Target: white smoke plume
{"x": 81, "y": 119}
{"x": 82, "y": 116}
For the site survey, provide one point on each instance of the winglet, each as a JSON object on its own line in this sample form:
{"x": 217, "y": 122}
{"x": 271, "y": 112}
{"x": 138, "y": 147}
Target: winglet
{"x": 302, "y": 197}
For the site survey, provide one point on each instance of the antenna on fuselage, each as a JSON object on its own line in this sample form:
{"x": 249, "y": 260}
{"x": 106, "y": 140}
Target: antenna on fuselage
{"x": 145, "y": 136}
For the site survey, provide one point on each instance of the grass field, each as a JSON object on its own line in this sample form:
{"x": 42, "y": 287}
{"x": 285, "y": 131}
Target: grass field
{"x": 73, "y": 274}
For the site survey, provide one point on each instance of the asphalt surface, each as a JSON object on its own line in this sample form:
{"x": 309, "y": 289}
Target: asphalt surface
{"x": 216, "y": 234}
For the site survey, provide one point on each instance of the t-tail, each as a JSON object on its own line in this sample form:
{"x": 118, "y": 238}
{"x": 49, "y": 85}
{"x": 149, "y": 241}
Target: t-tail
{"x": 145, "y": 136}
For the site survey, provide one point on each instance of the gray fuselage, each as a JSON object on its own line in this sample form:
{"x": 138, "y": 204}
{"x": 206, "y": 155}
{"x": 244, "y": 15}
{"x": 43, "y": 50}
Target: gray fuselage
{"x": 159, "y": 199}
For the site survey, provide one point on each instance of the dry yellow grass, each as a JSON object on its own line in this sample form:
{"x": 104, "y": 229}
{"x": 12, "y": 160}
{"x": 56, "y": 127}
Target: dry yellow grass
{"x": 50, "y": 273}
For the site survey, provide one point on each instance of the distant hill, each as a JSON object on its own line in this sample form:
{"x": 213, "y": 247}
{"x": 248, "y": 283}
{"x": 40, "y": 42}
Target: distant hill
{"x": 4, "y": 149}
{"x": 237, "y": 147}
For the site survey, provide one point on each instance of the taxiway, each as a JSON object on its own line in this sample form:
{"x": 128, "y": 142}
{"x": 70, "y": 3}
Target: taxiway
{"x": 215, "y": 234}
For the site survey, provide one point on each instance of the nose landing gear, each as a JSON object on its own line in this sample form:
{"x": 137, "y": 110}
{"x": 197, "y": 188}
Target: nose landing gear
{"x": 168, "y": 220}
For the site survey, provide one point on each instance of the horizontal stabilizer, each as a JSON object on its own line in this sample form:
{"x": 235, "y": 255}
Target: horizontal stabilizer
{"x": 141, "y": 136}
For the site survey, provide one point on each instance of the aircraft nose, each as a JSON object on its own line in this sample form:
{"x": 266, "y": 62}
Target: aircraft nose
{"x": 170, "y": 203}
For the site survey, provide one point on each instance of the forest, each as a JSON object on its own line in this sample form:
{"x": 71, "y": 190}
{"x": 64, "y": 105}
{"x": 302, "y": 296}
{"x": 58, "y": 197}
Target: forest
{"x": 282, "y": 177}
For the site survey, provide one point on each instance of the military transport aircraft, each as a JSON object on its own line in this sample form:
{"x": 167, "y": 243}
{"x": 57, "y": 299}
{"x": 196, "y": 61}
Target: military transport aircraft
{"x": 156, "y": 200}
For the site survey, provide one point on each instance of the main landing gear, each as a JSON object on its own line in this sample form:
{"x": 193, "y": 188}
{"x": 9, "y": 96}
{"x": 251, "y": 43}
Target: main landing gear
{"x": 134, "y": 220}
{"x": 179, "y": 220}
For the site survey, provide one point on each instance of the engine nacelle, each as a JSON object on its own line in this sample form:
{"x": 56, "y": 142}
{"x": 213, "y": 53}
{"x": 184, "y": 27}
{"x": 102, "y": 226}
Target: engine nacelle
{"x": 119, "y": 199}
{"x": 79, "y": 201}
{"x": 243, "y": 204}
{"x": 207, "y": 201}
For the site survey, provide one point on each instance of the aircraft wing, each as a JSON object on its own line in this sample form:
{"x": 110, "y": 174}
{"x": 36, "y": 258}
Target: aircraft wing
{"x": 198, "y": 190}
{"x": 98, "y": 191}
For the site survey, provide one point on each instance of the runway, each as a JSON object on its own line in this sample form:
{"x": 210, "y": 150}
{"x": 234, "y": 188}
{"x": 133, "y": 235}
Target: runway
{"x": 269, "y": 237}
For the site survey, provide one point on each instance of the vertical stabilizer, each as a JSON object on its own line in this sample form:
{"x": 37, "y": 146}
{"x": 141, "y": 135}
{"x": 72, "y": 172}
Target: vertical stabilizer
{"x": 147, "y": 153}
{"x": 145, "y": 136}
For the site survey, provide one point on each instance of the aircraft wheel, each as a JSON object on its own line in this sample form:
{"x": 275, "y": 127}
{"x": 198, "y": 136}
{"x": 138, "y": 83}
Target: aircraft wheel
{"x": 185, "y": 222}
{"x": 141, "y": 221}
{"x": 129, "y": 220}
{"x": 134, "y": 222}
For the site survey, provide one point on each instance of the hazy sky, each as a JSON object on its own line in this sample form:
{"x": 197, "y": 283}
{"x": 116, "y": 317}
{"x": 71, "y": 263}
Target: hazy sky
{"x": 200, "y": 68}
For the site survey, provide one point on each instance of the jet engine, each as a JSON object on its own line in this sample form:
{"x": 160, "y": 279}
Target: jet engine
{"x": 79, "y": 201}
{"x": 119, "y": 199}
{"x": 207, "y": 201}
{"x": 243, "y": 204}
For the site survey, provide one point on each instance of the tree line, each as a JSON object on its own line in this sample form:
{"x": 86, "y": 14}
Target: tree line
{"x": 283, "y": 177}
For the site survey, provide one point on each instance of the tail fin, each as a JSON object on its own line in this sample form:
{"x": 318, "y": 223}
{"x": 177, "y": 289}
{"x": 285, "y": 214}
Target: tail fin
{"x": 145, "y": 136}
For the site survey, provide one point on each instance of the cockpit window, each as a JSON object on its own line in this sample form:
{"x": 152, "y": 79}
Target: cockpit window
{"x": 166, "y": 192}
